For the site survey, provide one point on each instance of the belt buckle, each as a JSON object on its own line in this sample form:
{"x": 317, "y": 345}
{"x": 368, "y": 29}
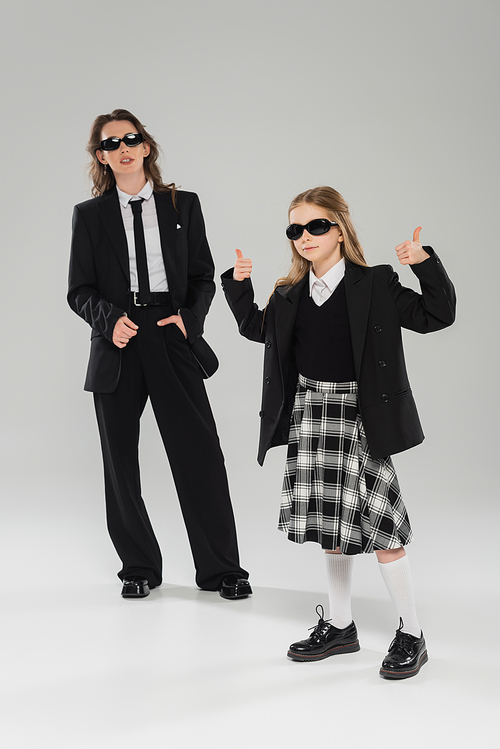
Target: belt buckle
{"x": 136, "y": 303}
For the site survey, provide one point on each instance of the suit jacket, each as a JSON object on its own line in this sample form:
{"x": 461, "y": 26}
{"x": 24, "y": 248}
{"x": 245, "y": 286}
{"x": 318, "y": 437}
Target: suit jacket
{"x": 99, "y": 278}
{"x": 378, "y": 306}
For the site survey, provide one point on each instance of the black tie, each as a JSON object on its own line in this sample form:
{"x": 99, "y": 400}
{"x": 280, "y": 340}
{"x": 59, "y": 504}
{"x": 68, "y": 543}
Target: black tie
{"x": 140, "y": 253}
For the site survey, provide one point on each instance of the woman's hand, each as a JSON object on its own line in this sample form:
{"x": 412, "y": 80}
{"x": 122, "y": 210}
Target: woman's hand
{"x": 177, "y": 319}
{"x": 242, "y": 267}
{"x": 412, "y": 253}
{"x": 123, "y": 331}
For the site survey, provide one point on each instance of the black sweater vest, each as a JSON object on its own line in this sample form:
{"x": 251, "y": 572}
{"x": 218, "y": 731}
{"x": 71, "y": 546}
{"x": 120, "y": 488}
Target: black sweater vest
{"x": 323, "y": 348}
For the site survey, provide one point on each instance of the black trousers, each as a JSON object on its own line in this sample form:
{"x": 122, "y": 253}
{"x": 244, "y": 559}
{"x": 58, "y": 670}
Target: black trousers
{"x": 158, "y": 364}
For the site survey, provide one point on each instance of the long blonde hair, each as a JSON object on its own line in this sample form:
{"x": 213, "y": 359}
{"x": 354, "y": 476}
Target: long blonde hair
{"x": 103, "y": 179}
{"x": 337, "y": 210}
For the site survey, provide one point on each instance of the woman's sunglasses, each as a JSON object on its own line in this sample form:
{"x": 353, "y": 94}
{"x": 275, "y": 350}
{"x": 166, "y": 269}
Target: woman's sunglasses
{"x": 112, "y": 144}
{"x": 316, "y": 227}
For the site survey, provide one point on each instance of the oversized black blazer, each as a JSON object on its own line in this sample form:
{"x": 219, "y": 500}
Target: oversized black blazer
{"x": 378, "y": 307}
{"x": 99, "y": 278}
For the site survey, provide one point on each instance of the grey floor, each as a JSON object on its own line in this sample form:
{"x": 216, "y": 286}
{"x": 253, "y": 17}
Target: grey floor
{"x": 83, "y": 668}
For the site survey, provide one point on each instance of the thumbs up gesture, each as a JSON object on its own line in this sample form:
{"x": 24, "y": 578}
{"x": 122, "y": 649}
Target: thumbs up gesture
{"x": 242, "y": 267}
{"x": 412, "y": 253}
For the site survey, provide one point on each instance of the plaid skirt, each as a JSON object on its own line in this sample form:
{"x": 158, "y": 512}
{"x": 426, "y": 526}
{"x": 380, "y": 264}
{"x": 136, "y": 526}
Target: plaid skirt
{"x": 334, "y": 492}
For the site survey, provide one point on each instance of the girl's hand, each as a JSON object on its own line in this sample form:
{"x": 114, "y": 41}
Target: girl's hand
{"x": 242, "y": 267}
{"x": 412, "y": 253}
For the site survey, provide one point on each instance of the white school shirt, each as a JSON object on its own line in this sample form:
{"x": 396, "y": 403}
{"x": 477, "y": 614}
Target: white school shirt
{"x": 321, "y": 289}
{"x": 156, "y": 266}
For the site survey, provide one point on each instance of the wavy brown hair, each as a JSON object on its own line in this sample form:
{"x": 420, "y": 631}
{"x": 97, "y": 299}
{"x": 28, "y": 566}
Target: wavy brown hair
{"x": 335, "y": 207}
{"x": 104, "y": 180}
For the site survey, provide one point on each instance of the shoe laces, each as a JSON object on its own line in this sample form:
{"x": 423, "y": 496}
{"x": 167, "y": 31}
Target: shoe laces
{"x": 321, "y": 627}
{"x": 403, "y": 640}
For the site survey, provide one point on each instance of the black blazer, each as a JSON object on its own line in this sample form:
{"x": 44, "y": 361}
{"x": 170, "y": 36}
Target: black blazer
{"x": 99, "y": 279}
{"x": 378, "y": 306}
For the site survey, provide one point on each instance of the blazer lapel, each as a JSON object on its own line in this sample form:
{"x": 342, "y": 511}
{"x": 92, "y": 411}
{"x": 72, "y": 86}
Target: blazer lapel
{"x": 167, "y": 222}
{"x": 358, "y": 288}
{"x": 111, "y": 217}
{"x": 286, "y": 302}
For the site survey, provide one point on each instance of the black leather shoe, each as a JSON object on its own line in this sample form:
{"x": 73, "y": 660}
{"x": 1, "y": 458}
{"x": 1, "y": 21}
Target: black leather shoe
{"x": 233, "y": 587}
{"x": 135, "y": 588}
{"x": 407, "y": 654}
{"x": 324, "y": 641}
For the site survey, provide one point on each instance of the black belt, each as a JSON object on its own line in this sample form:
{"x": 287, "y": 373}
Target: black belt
{"x": 157, "y": 298}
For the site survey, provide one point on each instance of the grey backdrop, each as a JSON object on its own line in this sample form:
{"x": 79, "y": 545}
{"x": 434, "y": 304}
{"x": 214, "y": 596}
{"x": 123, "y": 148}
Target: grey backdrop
{"x": 395, "y": 104}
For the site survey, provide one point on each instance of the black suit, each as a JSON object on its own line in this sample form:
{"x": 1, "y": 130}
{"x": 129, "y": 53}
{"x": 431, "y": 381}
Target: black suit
{"x": 378, "y": 306}
{"x": 158, "y": 363}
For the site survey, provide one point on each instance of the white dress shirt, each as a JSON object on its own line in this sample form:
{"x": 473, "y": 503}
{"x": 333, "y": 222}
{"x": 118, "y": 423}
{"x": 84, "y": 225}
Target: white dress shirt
{"x": 156, "y": 266}
{"x": 321, "y": 289}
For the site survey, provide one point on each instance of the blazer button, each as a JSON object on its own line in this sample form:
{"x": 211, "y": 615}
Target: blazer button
{"x": 385, "y": 398}
{"x": 268, "y": 380}
{"x": 377, "y": 329}
{"x": 382, "y": 363}
{"x": 261, "y": 414}
{"x": 268, "y": 344}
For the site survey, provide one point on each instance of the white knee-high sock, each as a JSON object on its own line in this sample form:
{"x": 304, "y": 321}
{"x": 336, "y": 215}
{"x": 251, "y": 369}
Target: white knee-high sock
{"x": 339, "y": 572}
{"x": 397, "y": 577}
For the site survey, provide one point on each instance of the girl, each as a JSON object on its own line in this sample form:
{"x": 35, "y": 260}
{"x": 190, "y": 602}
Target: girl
{"x": 141, "y": 275}
{"x": 336, "y": 389}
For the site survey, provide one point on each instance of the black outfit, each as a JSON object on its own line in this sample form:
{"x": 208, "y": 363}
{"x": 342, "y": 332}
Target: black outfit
{"x": 378, "y": 307}
{"x": 323, "y": 349}
{"x": 156, "y": 363}
{"x": 334, "y": 492}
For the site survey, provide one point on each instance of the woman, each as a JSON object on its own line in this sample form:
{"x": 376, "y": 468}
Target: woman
{"x": 336, "y": 389}
{"x": 141, "y": 275}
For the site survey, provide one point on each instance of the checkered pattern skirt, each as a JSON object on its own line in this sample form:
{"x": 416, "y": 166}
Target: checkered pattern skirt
{"x": 334, "y": 492}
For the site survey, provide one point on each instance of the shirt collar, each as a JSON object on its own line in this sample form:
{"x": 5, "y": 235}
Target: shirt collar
{"x": 125, "y": 198}
{"x": 332, "y": 277}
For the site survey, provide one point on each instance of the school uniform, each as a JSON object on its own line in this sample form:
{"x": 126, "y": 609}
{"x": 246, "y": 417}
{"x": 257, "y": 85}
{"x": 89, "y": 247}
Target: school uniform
{"x": 340, "y": 487}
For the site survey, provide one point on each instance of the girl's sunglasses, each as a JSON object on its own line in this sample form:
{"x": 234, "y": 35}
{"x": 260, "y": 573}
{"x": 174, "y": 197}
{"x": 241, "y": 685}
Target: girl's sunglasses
{"x": 316, "y": 227}
{"x": 112, "y": 144}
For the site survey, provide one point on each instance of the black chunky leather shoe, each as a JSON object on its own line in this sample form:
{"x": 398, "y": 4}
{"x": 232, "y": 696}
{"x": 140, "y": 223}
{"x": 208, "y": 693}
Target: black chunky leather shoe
{"x": 135, "y": 588}
{"x": 325, "y": 640}
{"x": 233, "y": 587}
{"x": 407, "y": 654}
